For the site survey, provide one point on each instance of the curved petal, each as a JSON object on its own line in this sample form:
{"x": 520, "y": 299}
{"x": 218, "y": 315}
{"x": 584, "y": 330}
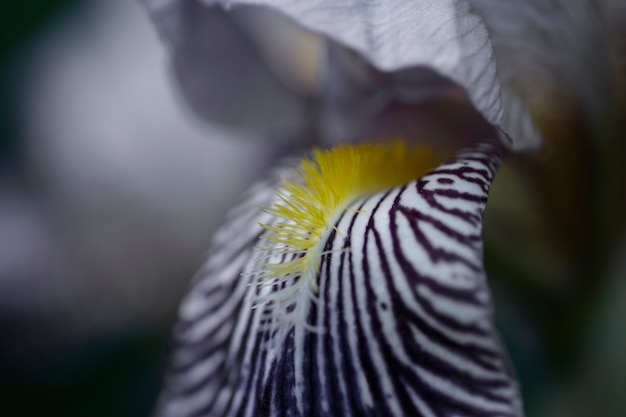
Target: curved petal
{"x": 416, "y": 49}
{"x": 445, "y": 36}
{"x": 401, "y": 323}
{"x": 218, "y": 61}
{"x": 545, "y": 48}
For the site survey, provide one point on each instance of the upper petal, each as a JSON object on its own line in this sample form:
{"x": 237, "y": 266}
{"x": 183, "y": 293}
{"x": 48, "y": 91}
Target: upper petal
{"x": 395, "y": 34}
{"x": 514, "y": 59}
{"x": 442, "y": 41}
{"x": 511, "y": 57}
{"x": 218, "y": 60}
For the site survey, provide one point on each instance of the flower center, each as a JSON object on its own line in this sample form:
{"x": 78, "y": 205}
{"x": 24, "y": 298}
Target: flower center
{"x": 307, "y": 206}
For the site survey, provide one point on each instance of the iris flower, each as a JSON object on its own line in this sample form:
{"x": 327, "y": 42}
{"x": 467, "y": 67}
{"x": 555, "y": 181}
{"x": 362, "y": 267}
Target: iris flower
{"x": 350, "y": 282}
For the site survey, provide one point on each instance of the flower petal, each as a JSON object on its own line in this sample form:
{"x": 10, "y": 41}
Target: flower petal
{"x": 544, "y": 48}
{"x": 416, "y": 49}
{"x": 220, "y": 68}
{"x": 402, "y": 320}
{"x": 445, "y": 36}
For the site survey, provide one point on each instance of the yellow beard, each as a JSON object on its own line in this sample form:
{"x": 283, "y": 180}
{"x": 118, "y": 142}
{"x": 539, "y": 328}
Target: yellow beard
{"x": 321, "y": 188}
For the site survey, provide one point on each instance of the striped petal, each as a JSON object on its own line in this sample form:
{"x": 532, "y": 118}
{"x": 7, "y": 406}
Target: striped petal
{"x": 400, "y": 325}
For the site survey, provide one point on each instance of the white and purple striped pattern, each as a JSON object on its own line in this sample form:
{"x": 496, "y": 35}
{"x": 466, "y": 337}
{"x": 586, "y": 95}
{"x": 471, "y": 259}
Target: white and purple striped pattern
{"x": 403, "y": 304}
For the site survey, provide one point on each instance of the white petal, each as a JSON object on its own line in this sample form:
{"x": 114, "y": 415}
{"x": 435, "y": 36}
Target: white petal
{"x": 395, "y": 34}
{"x": 503, "y": 53}
{"x": 419, "y": 45}
{"x": 433, "y": 42}
{"x": 536, "y": 43}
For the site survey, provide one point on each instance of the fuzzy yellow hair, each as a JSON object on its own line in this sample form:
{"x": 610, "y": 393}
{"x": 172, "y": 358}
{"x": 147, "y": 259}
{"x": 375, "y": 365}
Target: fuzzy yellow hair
{"x": 309, "y": 202}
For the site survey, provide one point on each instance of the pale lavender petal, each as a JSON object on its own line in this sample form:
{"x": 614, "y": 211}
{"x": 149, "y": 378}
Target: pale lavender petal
{"x": 417, "y": 48}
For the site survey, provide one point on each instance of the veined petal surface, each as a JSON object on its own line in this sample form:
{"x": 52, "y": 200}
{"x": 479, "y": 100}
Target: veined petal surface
{"x": 396, "y": 34}
{"x": 420, "y": 47}
{"x": 401, "y": 324}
